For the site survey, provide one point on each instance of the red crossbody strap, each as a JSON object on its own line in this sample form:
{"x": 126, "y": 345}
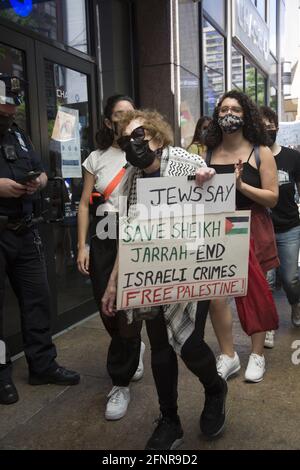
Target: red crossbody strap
{"x": 114, "y": 183}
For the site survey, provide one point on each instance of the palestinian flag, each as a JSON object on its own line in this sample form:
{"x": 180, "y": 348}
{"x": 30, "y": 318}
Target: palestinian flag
{"x": 236, "y": 225}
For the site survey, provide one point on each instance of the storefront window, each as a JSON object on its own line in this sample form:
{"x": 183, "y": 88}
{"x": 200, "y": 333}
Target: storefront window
{"x": 261, "y": 6}
{"x": 12, "y": 63}
{"x": 62, "y": 20}
{"x": 69, "y": 144}
{"x": 273, "y": 98}
{"x": 250, "y": 77}
{"x": 214, "y": 66}
{"x": 273, "y": 26}
{"x": 217, "y": 10}
{"x": 261, "y": 89}
{"x": 237, "y": 70}
{"x": 189, "y": 70}
{"x": 116, "y": 58}
{"x": 189, "y": 106}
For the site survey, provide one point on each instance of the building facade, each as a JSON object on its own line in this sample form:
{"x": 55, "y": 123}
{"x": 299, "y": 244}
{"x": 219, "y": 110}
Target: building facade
{"x": 177, "y": 56}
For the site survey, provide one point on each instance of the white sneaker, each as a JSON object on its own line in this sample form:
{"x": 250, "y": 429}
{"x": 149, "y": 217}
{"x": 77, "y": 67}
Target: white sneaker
{"x": 119, "y": 398}
{"x": 269, "y": 340}
{"x": 296, "y": 314}
{"x": 256, "y": 368}
{"x": 140, "y": 369}
{"x": 227, "y": 366}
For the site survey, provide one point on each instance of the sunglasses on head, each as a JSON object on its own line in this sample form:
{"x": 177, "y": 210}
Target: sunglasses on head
{"x": 136, "y": 134}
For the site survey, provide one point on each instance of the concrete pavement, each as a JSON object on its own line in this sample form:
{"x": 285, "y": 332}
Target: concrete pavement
{"x": 260, "y": 416}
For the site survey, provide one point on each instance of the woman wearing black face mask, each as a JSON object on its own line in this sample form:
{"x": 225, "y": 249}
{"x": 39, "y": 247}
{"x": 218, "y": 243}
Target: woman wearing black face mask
{"x": 236, "y": 142}
{"x": 197, "y": 145}
{"x": 105, "y": 171}
{"x": 285, "y": 218}
{"x": 175, "y": 328}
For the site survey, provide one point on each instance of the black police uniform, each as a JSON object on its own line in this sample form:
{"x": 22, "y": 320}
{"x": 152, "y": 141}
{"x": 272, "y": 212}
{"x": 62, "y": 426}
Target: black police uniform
{"x": 22, "y": 259}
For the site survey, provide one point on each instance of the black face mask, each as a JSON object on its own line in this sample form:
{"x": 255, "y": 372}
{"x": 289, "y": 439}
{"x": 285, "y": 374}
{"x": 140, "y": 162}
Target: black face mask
{"x": 139, "y": 154}
{"x": 5, "y": 123}
{"x": 137, "y": 150}
{"x": 272, "y": 137}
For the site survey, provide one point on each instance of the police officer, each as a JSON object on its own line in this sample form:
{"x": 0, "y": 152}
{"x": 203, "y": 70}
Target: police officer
{"x": 21, "y": 256}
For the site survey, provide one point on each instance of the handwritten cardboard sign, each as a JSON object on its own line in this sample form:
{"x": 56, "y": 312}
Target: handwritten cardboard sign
{"x": 182, "y": 259}
{"x": 185, "y": 197}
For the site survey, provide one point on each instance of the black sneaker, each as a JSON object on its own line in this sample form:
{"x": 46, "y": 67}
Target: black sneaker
{"x": 168, "y": 435}
{"x": 59, "y": 376}
{"x": 212, "y": 420}
{"x": 8, "y": 392}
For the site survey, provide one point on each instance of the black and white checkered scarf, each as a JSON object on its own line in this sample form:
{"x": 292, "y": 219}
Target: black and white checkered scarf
{"x": 180, "y": 318}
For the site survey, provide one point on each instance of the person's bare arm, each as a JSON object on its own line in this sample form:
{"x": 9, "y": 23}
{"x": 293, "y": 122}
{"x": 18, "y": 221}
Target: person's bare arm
{"x": 83, "y": 223}
{"x": 267, "y": 195}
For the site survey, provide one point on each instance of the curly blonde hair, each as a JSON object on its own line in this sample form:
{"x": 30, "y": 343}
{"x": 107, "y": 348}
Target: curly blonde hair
{"x": 158, "y": 128}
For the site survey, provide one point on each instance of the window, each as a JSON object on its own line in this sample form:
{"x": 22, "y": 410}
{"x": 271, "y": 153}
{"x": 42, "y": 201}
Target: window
{"x": 189, "y": 106}
{"x": 273, "y": 98}
{"x": 115, "y": 48}
{"x": 214, "y": 66}
{"x": 273, "y": 27}
{"x": 62, "y": 20}
{"x": 216, "y": 9}
{"x": 261, "y": 90}
{"x": 261, "y": 6}
{"x": 189, "y": 70}
{"x": 250, "y": 80}
{"x": 237, "y": 70}
{"x": 69, "y": 144}
{"x": 12, "y": 62}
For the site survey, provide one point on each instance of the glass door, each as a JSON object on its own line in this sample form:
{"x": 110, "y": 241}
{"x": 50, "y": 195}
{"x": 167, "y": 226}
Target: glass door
{"x": 59, "y": 114}
{"x": 68, "y": 123}
{"x": 17, "y": 58}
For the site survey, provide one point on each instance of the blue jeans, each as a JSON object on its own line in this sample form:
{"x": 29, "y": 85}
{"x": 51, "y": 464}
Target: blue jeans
{"x": 288, "y": 244}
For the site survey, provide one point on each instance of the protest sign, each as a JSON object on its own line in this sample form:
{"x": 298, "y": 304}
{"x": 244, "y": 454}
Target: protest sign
{"x": 158, "y": 197}
{"x": 175, "y": 260}
{"x": 289, "y": 134}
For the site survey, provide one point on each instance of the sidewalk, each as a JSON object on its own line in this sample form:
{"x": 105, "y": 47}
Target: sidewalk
{"x": 260, "y": 416}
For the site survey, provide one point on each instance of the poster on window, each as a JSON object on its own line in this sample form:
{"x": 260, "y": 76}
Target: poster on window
{"x": 66, "y": 134}
{"x": 182, "y": 259}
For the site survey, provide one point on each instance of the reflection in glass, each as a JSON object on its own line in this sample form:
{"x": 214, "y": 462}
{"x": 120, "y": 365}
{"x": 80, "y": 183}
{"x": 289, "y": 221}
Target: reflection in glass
{"x": 189, "y": 106}
{"x": 261, "y": 6}
{"x": 62, "y": 20}
{"x": 273, "y": 98}
{"x": 189, "y": 70}
{"x": 214, "y": 66}
{"x": 116, "y": 53}
{"x": 250, "y": 77}
{"x": 12, "y": 62}
{"x": 261, "y": 89}
{"x": 69, "y": 145}
{"x": 216, "y": 9}
{"x": 273, "y": 26}
{"x": 237, "y": 70}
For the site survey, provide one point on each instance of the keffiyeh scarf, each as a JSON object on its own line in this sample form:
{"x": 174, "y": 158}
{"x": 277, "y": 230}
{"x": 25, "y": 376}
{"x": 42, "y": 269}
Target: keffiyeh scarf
{"x": 179, "y": 318}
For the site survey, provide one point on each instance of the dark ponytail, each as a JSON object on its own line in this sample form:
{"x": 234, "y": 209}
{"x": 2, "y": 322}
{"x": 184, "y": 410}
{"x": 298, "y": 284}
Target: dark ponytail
{"x": 105, "y": 135}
